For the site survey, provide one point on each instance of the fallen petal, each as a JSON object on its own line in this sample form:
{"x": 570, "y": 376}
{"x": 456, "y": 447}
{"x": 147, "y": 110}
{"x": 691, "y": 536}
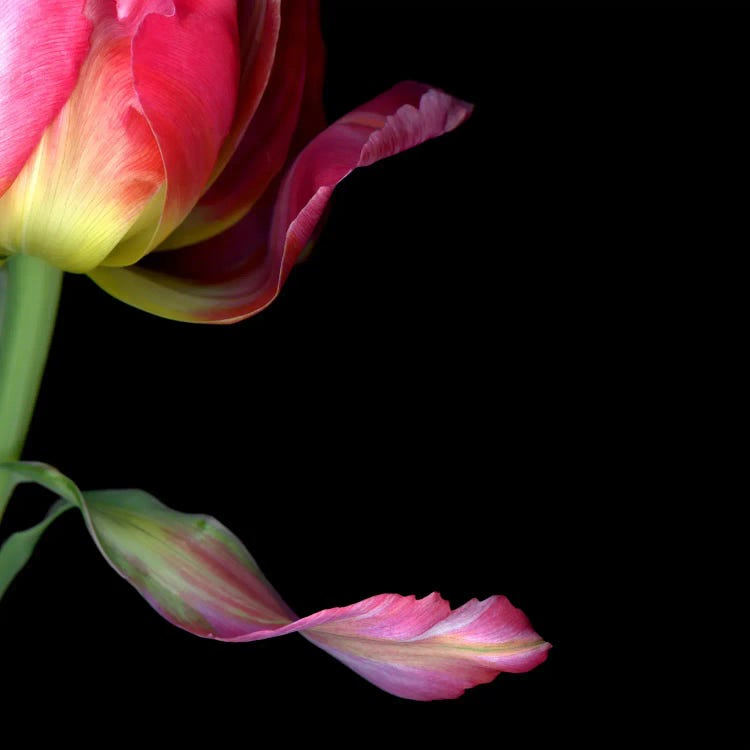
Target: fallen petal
{"x": 199, "y": 576}
{"x": 384, "y": 640}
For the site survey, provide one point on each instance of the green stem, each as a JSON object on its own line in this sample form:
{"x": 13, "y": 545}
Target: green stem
{"x": 32, "y": 293}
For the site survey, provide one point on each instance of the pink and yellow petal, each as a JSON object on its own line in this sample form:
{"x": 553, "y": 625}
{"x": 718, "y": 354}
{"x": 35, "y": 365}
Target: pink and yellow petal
{"x": 388, "y": 645}
{"x": 200, "y": 577}
{"x": 43, "y": 44}
{"x": 239, "y": 272}
{"x": 224, "y": 264}
{"x": 95, "y": 168}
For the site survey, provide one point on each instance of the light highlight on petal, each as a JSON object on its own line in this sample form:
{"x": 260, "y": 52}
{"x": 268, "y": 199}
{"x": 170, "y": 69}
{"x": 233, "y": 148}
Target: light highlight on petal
{"x": 96, "y": 167}
{"x": 199, "y": 576}
{"x": 42, "y": 46}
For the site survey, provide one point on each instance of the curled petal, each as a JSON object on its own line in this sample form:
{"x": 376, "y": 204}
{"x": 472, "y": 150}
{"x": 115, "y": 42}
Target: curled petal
{"x": 200, "y": 577}
{"x": 420, "y": 649}
{"x": 241, "y": 271}
{"x": 42, "y": 47}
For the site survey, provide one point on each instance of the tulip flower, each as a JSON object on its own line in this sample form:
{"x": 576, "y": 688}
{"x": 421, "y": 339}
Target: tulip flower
{"x": 186, "y": 184}
{"x": 176, "y": 152}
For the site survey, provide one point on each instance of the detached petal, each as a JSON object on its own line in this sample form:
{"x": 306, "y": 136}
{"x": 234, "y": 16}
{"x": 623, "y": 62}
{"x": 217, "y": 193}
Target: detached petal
{"x": 241, "y": 271}
{"x": 263, "y": 150}
{"x": 420, "y": 649}
{"x": 42, "y": 47}
{"x": 200, "y": 577}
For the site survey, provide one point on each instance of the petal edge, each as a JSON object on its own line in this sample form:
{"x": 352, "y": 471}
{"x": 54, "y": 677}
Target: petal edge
{"x": 240, "y": 272}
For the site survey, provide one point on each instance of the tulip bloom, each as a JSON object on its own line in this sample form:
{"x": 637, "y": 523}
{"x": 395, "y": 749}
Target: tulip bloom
{"x": 176, "y": 150}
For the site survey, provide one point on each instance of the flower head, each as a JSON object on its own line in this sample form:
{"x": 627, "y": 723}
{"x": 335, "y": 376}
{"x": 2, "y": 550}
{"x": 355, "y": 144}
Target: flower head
{"x": 176, "y": 150}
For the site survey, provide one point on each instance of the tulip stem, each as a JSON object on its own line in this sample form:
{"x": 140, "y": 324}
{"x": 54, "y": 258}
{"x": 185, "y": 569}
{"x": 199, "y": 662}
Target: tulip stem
{"x": 29, "y": 295}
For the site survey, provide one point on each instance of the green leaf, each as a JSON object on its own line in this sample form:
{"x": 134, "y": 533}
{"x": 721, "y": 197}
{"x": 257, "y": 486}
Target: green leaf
{"x": 18, "y": 548}
{"x": 16, "y": 551}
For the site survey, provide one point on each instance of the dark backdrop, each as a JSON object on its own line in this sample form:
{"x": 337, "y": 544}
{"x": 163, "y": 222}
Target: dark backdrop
{"x": 422, "y": 409}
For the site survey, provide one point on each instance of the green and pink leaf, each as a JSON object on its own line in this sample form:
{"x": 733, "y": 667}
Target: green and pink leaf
{"x": 200, "y": 577}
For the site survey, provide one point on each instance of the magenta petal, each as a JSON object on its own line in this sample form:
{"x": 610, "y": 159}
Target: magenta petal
{"x": 407, "y": 115}
{"x": 42, "y": 47}
{"x": 422, "y": 650}
{"x": 186, "y": 72}
{"x": 239, "y": 272}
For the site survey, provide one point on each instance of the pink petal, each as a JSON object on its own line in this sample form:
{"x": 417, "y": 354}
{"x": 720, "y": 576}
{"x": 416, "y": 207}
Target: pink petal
{"x": 97, "y": 167}
{"x": 200, "y": 577}
{"x": 186, "y": 72}
{"x": 42, "y": 46}
{"x": 264, "y": 148}
{"x": 241, "y": 271}
{"x": 419, "y": 649}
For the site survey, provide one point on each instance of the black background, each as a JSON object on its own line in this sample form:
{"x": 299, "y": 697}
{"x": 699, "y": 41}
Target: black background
{"x": 427, "y": 406}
